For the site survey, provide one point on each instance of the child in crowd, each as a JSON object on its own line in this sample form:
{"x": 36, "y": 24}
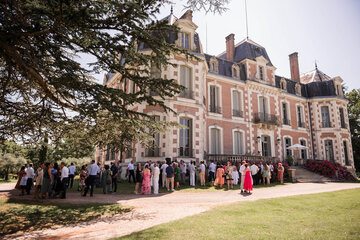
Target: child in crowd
{"x": 23, "y": 182}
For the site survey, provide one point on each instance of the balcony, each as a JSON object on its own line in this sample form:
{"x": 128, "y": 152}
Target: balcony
{"x": 261, "y": 117}
{"x": 326, "y": 124}
{"x": 286, "y": 121}
{"x": 223, "y": 158}
{"x": 301, "y": 124}
{"x": 215, "y": 109}
{"x": 187, "y": 94}
{"x": 185, "y": 152}
{"x": 237, "y": 113}
{"x": 152, "y": 152}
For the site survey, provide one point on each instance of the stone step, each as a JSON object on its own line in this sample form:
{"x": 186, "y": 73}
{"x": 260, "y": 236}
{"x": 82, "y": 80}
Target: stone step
{"x": 303, "y": 175}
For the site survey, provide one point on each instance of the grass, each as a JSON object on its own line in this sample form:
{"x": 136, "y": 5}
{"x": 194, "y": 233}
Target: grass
{"x": 128, "y": 188}
{"x": 21, "y": 216}
{"x": 334, "y": 215}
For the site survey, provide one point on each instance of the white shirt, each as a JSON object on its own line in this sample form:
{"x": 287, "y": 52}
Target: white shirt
{"x": 64, "y": 173}
{"x": 242, "y": 169}
{"x": 254, "y": 169}
{"x": 262, "y": 168}
{"x": 30, "y": 172}
{"x": 163, "y": 168}
{"x": 93, "y": 169}
{"x": 23, "y": 181}
{"x": 156, "y": 172}
{"x": 202, "y": 168}
{"x": 271, "y": 168}
{"x": 131, "y": 166}
{"x": 72, "y": 170}
{"x": 212, "y": 167}
{"x": 192, "y": 168}
{"x": 183, "y": 168}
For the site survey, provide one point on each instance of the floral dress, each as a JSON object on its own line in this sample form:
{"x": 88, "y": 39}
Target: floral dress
{"x": 82, "y": 178}
{"x": 146, "y": 188}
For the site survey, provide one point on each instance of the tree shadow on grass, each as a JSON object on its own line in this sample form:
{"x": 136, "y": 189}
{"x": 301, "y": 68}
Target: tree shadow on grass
{"x": 21, "y": 215}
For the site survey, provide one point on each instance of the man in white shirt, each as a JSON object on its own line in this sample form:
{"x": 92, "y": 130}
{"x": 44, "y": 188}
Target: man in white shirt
{"x": 92, "y": 173}
{"x": 72, "y": 170}
{"x": 182, "y": 171}
{"x": 131, "y": 171}
{"x": 202, "y": 173}
{"x": 254, "y": 170}
{"x": 64, "y": 179}
{"x": 155, "y": 175}
{"x": 242, "y": 173}
{"x": 192, "y": 173}
{"x": 212, "y": 170}
{"x": 164, "y": 178}
{"x": 30, "y": 174}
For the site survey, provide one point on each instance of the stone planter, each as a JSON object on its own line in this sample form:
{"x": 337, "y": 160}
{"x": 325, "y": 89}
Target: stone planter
{"x": 292, "y": 174}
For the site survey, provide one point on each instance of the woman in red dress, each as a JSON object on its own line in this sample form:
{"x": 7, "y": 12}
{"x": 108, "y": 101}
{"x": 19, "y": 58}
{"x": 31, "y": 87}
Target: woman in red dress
{"x": 248, "y": 181}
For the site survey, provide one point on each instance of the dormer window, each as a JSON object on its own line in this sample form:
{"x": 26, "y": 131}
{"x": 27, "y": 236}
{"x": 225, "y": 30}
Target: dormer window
{"x": 283, "y": 84}
{"x": 338, "y": 90}
{"x": 214, "y": 65}
{"x": 298, "y": 89}
{"x": 185, "y": 40}
{"x": 235, "y": 70}
{"x": 261, "y": 73}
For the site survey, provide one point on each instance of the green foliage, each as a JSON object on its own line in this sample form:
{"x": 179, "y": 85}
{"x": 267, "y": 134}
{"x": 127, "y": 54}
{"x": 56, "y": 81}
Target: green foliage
{"x": 16, "y": 216}
{"x": 289, "y": 160}
{"x": 9, "y": 163}
{"x": 354, "y": 121}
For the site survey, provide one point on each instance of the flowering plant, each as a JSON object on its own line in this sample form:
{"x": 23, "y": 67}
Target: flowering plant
{"x": 329, "y": 169}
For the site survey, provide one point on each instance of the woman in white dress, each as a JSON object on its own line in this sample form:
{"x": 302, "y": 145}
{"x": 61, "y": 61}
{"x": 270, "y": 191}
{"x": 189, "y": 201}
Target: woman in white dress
{"x": 235, "y": 176}
{"x": 192, "y": 173}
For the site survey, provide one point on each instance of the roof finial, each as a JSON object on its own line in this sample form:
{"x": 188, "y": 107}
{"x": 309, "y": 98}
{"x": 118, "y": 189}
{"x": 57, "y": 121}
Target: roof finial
{"x": 247, "y": 31}
{"x": 171, "y": 10}
{"x": 316, "y": 65}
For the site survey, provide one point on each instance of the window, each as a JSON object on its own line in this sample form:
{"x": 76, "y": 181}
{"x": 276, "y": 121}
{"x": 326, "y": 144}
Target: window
{"x": 154, "y": 150}
{"x": 214, "y": 65}
{"x": 184, "y": 40}
{"x": 286, "y": 120}
{"x": 155, "y": 72}
{"x": 214, "y": 100}
{"x": 329, "y": 150}
{"x": 132, "y": 87}
{"x": 342, "y": 118}
{"x": 185, "y": 138}
{"x": 110, "y": 155}
{"x": 266, "y": 145}
{"x": 338, "y": 90}
{"x": 325, "y": 116}
{"x": 283, "y": 84}
{"x": 235, "y": 70}
{"x": 238, "y": 143}
{"x": 301, "y": 122}
{"x": 215, "y": 147}
{"x": 303, "y": 153}
{"x": 185, "y": 80}
{"x": 262, "y": 105}
{"x": 261, "y": 73}
{"x": 347, "y": 163}
{"x": 288, "y": 152}
{"x": 237, "y": 112}
{"x": 298, "y": 89}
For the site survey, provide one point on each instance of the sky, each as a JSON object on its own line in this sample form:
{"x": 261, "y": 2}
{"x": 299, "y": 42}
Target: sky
{"x": 325, "y": 31}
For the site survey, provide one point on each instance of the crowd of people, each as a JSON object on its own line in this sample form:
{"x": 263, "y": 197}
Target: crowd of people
{"x": 52, "y": 180}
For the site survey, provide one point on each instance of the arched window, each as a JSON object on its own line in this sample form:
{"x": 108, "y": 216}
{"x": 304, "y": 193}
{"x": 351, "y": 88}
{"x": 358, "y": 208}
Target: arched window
{"x": 298, "y": 89}
{"x": 214, "y": 65}
{"x": 283, "y": 84}
{"x": 235, "y": 70}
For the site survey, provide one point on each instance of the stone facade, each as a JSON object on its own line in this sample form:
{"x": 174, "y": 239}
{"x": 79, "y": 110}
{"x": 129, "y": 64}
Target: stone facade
{"x": 236, "y": 105}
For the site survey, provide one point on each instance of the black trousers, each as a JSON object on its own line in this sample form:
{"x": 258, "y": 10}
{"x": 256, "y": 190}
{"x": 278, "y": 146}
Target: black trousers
{"x": 90, "y": 184}
{"x": 29, "y": 184}
{"x": 132, "y": 173}
{"x": 71, "y": 180}
{"x": 255, "y": 179}
{"x": 64, "y": 183}
{"x": 211, "y": 176}
{"x": 114, "y": 184}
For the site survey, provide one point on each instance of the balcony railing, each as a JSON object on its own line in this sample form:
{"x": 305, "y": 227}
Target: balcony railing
{"x": 187, "y": 94}
{"x": 185, "y": 152}
{"x": 237, "y": 113}
{"x": 215, "y": 109}
{"x": 223, "y": 158}
{"x": 286, "y": 121}
{"x": 261, "y": 117}
{"x": 152, "y": 152}
{"x": 326, "y": 124}
{"x": 301, "y": 124}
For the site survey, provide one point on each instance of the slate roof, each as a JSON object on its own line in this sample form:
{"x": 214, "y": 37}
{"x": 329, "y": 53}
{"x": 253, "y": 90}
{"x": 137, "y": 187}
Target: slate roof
{"x": 314, "y": 76}
{"x": 247, "y": 49}
{"x": 225, "y": 67}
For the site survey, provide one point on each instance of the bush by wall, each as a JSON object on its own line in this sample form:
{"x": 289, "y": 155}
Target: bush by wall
{"x": 329, "y": 169}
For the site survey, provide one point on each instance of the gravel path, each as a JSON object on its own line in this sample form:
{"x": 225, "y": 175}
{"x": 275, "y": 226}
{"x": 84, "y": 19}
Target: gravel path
{"x": 153, "y": 210}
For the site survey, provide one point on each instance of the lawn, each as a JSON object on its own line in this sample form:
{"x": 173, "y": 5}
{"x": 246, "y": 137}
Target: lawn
{"x": 128, "y": 188}
{"x": 21, "y": 216}
{"x": 334, "y": 215}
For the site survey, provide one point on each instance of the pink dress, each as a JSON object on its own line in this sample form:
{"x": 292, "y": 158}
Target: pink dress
{"x": 146, "y": 188}
{"x": 248, "y": 182}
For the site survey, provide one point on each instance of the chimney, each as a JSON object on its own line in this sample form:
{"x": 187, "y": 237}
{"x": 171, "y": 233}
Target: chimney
{"x": 187, "y": 15}
{"x": 230, "y": 47}
{"x": 294, "y": 66}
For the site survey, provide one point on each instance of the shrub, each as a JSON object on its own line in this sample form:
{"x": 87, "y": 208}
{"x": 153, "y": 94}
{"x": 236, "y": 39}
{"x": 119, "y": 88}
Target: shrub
{"x": 329, "y": 169}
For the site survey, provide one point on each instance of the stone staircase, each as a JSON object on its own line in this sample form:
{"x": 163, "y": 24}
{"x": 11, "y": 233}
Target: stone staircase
{"x": 303, "y": 175}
